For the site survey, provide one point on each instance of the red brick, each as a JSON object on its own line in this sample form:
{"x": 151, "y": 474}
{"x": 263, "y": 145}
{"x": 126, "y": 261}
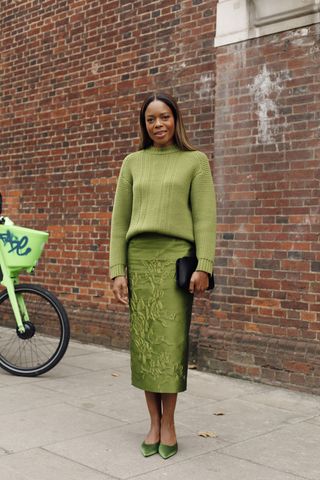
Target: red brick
{"x": 297, "y": 366}
{"x": 69, "y": 119}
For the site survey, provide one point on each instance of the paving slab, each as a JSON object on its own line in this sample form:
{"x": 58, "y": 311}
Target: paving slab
{"x": 117, "y": 453}
{"x": 301, "y": 403}
{"x": 218, "y": 387}
{"x": 9, "y": 474}
{"x": 84, "y": 420}
{"x": 216, "y": 466}
{"x": 87, "y": 384}
{"x": 97, "y": 361}
{"x": 127, "y": 406}
{"x": 6, "y": 379}
{"x": 314, "y": 419}
{"x": 43, "y": 425}
{"x": 292, "y": 449}
{"x": 38, "y": 464}
{"x": 236, "y": 419}
{"x": 20, "y": 398}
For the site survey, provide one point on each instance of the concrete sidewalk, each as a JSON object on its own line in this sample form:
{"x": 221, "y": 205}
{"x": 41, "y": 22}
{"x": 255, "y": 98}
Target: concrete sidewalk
{"x": 84, "y": 421}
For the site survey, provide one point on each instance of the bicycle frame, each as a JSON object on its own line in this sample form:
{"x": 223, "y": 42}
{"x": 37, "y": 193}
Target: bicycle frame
{"x": 20, "y": 249}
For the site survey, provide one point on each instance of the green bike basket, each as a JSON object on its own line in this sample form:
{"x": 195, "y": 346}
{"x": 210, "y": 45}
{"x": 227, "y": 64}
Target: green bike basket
{"x": 21, "y": 247}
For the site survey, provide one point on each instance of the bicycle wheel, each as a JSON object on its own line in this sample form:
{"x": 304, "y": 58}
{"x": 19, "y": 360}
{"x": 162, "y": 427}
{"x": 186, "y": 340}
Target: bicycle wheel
{"x": 47, "y": 334}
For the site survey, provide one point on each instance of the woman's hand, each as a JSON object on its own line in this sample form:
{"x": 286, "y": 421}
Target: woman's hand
{"x": 120, "y": 289}
{"x": 199, "y": 282}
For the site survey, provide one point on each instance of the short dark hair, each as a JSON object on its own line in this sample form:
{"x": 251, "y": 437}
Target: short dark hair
{"x": 180, "y": 135}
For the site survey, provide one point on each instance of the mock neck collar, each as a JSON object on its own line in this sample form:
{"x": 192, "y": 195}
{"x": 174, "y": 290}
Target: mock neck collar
{"x": 163, "y": 150}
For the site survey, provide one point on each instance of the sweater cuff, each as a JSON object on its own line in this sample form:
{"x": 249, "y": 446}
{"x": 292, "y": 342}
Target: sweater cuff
{"x": 205, "y": 265}
{"x": 117, "y": 270}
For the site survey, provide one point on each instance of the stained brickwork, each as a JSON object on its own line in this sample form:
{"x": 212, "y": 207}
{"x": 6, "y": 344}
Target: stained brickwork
{"x": 73, "y": 74}
{"x": 266, "y": 320}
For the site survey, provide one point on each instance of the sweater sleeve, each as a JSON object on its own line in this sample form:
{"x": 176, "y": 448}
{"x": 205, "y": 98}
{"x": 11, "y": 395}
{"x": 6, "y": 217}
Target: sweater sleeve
{"x": 121, "y": 217}
{"x": 203, "y": 206}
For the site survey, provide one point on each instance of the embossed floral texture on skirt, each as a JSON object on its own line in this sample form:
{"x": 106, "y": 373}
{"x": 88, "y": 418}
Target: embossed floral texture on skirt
{"x": 160, "y": 314}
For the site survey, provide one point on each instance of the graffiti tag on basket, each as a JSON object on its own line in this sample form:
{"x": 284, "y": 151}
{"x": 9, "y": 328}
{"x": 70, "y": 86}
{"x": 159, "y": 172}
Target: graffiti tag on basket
{"x": 16, "y": 244}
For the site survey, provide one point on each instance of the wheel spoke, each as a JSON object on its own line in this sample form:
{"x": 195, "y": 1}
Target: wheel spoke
{"x": 46, "y": 337}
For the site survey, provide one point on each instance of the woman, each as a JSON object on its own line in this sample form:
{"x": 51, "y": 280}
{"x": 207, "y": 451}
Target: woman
{"x": 164, "y": 208}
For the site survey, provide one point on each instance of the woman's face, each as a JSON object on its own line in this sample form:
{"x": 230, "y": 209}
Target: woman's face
{"x": 160, "y": 123}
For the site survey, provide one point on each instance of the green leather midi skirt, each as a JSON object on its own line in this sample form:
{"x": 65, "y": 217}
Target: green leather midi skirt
{"x": 160, "y": 314}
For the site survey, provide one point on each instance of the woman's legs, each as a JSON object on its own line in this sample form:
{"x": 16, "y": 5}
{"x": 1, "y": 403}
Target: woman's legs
{"x": 154, "y": 406}
{"x": 168, "y": 433}
{"x": 161, "y": 408}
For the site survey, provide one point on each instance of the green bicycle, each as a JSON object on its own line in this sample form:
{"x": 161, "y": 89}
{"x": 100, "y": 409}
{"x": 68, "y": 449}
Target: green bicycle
{"x": 34, "y": 326}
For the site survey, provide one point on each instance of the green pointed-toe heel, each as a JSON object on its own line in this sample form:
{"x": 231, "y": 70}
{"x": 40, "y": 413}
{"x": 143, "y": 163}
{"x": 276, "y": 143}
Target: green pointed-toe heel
{"x": 167, "y": 451}
{"x": 148, "y": 449}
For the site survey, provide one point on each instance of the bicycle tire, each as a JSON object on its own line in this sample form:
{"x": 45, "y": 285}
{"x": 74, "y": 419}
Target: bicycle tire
{"x": 49, "y": 335}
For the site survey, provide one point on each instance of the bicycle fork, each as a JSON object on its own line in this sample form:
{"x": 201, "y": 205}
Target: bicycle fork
{"x": 16, "y": 299}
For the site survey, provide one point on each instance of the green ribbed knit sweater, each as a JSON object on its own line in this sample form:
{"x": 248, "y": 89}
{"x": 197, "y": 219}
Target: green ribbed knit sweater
{"x": 166, "y": 191}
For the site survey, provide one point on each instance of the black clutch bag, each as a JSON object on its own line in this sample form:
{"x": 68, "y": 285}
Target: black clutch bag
{"x": 185, "y": 267}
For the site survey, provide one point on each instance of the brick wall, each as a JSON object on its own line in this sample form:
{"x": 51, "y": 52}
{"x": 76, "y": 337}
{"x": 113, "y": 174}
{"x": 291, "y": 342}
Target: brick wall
{"x": 266, "y": 311}
{"x": 73, "y": 74}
